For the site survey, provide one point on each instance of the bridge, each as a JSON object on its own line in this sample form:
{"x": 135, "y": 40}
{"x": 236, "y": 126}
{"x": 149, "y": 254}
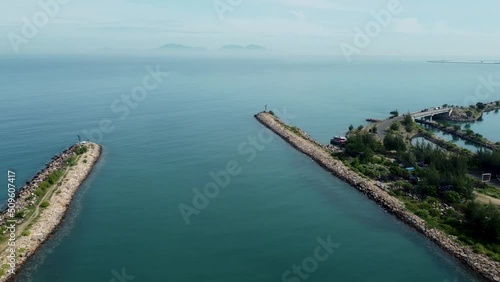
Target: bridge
{"x": 431, "y": 113}
{"x": 383, "y": 125}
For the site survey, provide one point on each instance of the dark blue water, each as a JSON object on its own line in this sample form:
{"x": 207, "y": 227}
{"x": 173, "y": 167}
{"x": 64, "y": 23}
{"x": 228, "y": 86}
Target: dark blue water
{"x": 269, "y": 216}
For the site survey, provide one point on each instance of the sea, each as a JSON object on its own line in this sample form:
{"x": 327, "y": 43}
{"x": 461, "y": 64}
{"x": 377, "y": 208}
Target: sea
{"x": 172, "y": 126}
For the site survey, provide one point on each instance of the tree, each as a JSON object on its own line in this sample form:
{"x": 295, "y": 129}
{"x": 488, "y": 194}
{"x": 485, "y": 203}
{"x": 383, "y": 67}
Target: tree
{"x": 362, "y": 146}
{"x": 457, "y": 127}
{"x": 395, "y": 113}
{"x": 395, "y": 126}
{"x": 483, "y": 221}
{"x": 394, "y": 143}
{"x": 351, "y": 127}
{"x": 488, "y": 160}
{"x": 360, "y": 127}
{"x": 480, "y": 106}
{"x": 408, "y": 122}
{"x": 452, "y": 197}
{"x": 271, "y": 112}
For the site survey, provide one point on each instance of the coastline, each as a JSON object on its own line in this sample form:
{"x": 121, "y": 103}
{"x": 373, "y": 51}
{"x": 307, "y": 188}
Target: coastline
{"x": 481, "y": 264}
{"x": 44, "y": 221}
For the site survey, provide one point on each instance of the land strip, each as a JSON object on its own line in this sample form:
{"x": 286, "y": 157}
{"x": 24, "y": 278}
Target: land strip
{"x": 41, "y": 205}
{"x": 480, "y": 263}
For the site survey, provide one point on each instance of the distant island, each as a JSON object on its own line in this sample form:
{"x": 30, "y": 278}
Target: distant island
{"x": 251, "y": 47}
{"x": 176, "y": 47}
{"x": 179, "y": 47}
{"x": 486, "y": 62}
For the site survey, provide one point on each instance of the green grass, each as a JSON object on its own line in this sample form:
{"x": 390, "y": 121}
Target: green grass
{"x": 490, "y": 191}
{"x": 40, "y": 192}
{"x": 72, "y": 161}
{"x": 450, "y": 223}
{"x": 79, "y": 150}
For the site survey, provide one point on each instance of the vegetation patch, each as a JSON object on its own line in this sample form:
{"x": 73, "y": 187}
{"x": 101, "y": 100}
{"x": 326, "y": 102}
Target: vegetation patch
{"x": 80, "y": 149}
{"x": 432, "y": 182}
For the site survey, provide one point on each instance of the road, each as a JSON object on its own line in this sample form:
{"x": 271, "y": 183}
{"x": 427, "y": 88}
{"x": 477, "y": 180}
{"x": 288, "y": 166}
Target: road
{"x": 383, "y": 125}
{"x": 485, "y": 199}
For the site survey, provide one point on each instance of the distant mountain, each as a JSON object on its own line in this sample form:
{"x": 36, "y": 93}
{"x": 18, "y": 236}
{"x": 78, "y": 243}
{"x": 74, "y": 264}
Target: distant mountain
{"x": 250, "y": 47}
{"x": 179, "y": 47}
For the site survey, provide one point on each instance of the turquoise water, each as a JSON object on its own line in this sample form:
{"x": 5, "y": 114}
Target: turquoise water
{"x": 466, "y": 144}
{"x": 489, "y": 126}
{"x": 268, "y": 218}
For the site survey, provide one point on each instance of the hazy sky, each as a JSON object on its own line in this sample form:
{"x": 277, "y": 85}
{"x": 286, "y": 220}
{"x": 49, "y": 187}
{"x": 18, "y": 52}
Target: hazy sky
{"x": 423, "y": 27}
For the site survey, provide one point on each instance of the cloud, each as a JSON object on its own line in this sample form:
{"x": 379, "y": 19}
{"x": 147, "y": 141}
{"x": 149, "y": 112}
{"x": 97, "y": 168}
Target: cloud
{"x": 408, "y": 26}
{"x": 283, "y": 27}
{"x": 316, "y": 5}
{"x": 413, "y": 26}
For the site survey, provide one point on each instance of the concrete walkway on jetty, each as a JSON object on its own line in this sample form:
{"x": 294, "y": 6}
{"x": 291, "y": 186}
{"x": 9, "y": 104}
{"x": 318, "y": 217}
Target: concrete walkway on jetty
{"x": 45, "y": 220}
{"x": 479, "y": 263}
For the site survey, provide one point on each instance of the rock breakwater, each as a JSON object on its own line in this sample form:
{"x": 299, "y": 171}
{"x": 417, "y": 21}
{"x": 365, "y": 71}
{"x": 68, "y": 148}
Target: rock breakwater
{"x": 479, "y": 263}
{"x": 33, "y": 231}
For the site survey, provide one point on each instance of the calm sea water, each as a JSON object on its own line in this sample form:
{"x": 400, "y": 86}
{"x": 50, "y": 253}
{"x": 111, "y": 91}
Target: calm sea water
{"x": 126, "y": 216}
{"x": 488, "y": 127}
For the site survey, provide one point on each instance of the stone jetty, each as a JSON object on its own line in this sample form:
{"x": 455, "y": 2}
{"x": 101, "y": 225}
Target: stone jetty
{"x": 481, "y": 264}
{"x": 45, "y": 220}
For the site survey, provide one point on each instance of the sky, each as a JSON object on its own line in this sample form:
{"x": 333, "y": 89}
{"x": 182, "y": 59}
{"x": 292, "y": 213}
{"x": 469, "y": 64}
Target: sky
{"x": 319, "y": 27}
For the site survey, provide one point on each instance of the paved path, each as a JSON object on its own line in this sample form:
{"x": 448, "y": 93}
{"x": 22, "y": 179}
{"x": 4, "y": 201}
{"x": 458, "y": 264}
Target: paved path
{"x": 383, "y": 125}
{"x": 485, "y": 199}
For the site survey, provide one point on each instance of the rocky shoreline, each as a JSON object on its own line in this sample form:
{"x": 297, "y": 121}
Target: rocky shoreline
{"x": 479, "y": 263}
{"x": 51, "y": 216}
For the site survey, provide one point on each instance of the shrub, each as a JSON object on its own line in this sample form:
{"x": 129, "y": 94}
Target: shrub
{"x": 71, "y": 161}
{"x": 79, "y": 150}
{"x": 44, "y": 185}
{"x": 19, "y": 215}
{"x": 452, "y": 197}
{"x": 271, "y": 112}
{"x": 394, "y": 126}
{"x": 44, "y": 204}
{"x": 394, "y": 142}
{"x": 54, "y": 176}
{"x": 362, "y": 145}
